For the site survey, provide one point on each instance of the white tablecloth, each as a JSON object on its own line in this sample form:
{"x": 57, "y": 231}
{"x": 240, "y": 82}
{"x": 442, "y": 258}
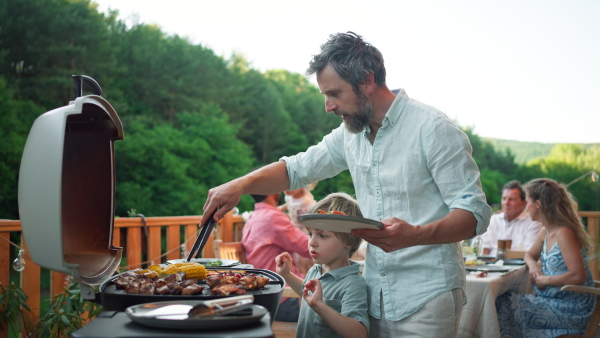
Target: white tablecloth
{"x": 479, "y": 317}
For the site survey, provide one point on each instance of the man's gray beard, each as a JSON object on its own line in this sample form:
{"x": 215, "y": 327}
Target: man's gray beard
{"x": 357, "y": 122}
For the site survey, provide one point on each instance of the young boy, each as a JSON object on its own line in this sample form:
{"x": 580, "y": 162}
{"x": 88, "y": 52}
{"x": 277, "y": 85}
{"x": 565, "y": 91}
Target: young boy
{"x": 335, "y": 295}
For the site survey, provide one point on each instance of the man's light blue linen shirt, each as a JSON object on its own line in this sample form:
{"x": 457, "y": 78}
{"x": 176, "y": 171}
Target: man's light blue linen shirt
{"x": 419, "y": 168}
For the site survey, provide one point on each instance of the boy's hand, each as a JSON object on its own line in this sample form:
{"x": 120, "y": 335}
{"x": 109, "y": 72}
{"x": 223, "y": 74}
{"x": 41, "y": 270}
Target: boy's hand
{"x": 283, "y": 264}
{"x": 316, "y": 292}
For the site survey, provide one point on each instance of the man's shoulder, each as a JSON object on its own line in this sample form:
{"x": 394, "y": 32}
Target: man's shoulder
{"x": 421, "y": 110}
{"x": 529, "y": 223}
{"x": 497, "y": 218}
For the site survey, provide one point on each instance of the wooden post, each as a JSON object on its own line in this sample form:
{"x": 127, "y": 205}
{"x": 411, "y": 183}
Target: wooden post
{"x": 134, "y": 248}
{"x": 191, "y": 233}
{"x": 593, "y": 232}
{"x": 154, "y": 249}
{"x": 58, "y": 282}
{"x": 116, "y": 237}
{"x": 227, "y": 227}
{"x": 30, "y": 284}
{"x": 5, "y": 263}
{"x": 173, "y": 242}
{"x": 208, "y": 251}
{"x": 5, "y": 266}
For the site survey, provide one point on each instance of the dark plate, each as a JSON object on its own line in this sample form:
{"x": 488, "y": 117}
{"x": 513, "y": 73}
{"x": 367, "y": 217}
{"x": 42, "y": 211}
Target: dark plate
{"x": 514, "y": 261}
{"x": 338, "y": 223}
{"x": 490, "y": 268}
{"x": 487, "y": 258}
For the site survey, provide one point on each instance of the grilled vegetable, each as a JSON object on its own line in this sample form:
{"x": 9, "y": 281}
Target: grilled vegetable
{"x": 218, "y": 262}
{"x": 192, "y": 270}
{"x": 155, "y": 267}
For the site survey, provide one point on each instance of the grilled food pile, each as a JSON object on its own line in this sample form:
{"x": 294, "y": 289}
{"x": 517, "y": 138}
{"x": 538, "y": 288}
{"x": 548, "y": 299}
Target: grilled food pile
{"x": 228, "y": 282}
{"x": 334, "y": 212}
{"x": 175, "y": 279}
{"x": 184, "y": 279}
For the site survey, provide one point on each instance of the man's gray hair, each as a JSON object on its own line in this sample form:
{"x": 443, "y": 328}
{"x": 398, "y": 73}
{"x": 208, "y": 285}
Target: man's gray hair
{"x": 351, "y": 57}
{"x": 514, "y": 184}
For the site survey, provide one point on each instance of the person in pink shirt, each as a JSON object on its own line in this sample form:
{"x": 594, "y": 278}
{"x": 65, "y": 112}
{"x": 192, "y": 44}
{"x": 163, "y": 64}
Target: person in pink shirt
{"x": 297, "y": 203}
{"x": 267, "y": 233}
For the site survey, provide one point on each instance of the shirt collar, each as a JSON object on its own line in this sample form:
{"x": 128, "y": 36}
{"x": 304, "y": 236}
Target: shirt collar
{"x": 397, "y": 106}
{"x": 340, "y": 273}
{"x": 522, "y": 216}
{"x": 393, "y": 114}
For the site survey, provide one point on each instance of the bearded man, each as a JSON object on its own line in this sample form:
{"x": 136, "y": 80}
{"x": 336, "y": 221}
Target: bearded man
{"x": 412, "y": 170}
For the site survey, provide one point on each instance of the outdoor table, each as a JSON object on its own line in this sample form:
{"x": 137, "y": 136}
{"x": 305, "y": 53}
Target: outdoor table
{"x": 479, "y": 317}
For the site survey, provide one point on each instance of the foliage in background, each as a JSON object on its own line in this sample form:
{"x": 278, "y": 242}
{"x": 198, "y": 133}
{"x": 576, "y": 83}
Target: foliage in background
{"x": 12, "y": 309}
{"x": 167, "y": 168}
{"x": 16, "y": 118}
{"x": 192, "y": 119}
{"x": 68, "y": 312}
{"x": 528, "y": 151}
{"x": 496, "y": 168}
{"x": 566, "y": 163}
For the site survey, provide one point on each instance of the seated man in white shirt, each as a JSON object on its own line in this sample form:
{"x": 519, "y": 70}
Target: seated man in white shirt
{"x": 512, "y": 223}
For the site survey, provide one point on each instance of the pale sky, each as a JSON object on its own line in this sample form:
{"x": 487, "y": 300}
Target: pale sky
{"x": 525, "y": 70}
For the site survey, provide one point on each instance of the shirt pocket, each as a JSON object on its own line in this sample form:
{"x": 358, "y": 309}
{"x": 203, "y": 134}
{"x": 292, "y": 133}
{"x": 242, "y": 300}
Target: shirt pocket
{"x": 335, "y": 304}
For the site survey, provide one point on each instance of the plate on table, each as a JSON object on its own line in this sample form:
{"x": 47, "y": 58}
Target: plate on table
{"x": 514, "y": 261}
{"x": 489, "y": 268}
{"x": 487, "y": 258}
{"x": 149, "y": 314}
{"x": 338, "y": 223}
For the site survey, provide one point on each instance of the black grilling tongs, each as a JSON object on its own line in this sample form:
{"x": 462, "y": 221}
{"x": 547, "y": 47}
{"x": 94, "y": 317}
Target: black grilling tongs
{"x": 203, "y": 235}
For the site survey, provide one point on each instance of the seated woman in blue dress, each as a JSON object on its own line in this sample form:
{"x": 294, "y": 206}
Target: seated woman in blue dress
{"x": 562, "y": 245}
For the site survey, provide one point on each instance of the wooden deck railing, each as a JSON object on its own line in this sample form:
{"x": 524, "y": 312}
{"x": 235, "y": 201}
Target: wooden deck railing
{"x": 129, "y": 234}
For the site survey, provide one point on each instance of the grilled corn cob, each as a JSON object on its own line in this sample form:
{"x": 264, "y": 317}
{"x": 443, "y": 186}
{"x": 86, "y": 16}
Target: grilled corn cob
{"x": 192, "y": 270}
{"x": 155, "y": 267}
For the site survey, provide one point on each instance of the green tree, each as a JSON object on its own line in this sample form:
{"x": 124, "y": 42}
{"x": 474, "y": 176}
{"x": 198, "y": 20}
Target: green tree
{"x": 305, "y": 104}
{"x": 492, "y": 182}
{"x": 496, "y": 167}
{"x": 45, "y": 41}
{"x": 486, "y": 156}
{"x": 16, "y": 118}
{"x": 568, "y": 162}
{"x": 166, "y": 169}
{"x": 257, "y": 109}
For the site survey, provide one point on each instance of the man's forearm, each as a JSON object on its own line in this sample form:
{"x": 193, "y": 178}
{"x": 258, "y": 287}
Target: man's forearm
{"x": 398, "y": 234}
{"x": 458, "y": 225}
{"x": 270, "y": 179}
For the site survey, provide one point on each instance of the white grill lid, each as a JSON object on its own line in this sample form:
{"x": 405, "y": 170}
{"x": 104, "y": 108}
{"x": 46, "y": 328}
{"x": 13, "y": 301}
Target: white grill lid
{"x": 67, "y": 189}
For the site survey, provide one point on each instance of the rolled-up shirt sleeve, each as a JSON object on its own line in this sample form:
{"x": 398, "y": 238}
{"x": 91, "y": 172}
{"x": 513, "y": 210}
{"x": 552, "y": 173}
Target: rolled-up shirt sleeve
{"x": 321, "y": 161}
{"x": 455, "y": 171}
